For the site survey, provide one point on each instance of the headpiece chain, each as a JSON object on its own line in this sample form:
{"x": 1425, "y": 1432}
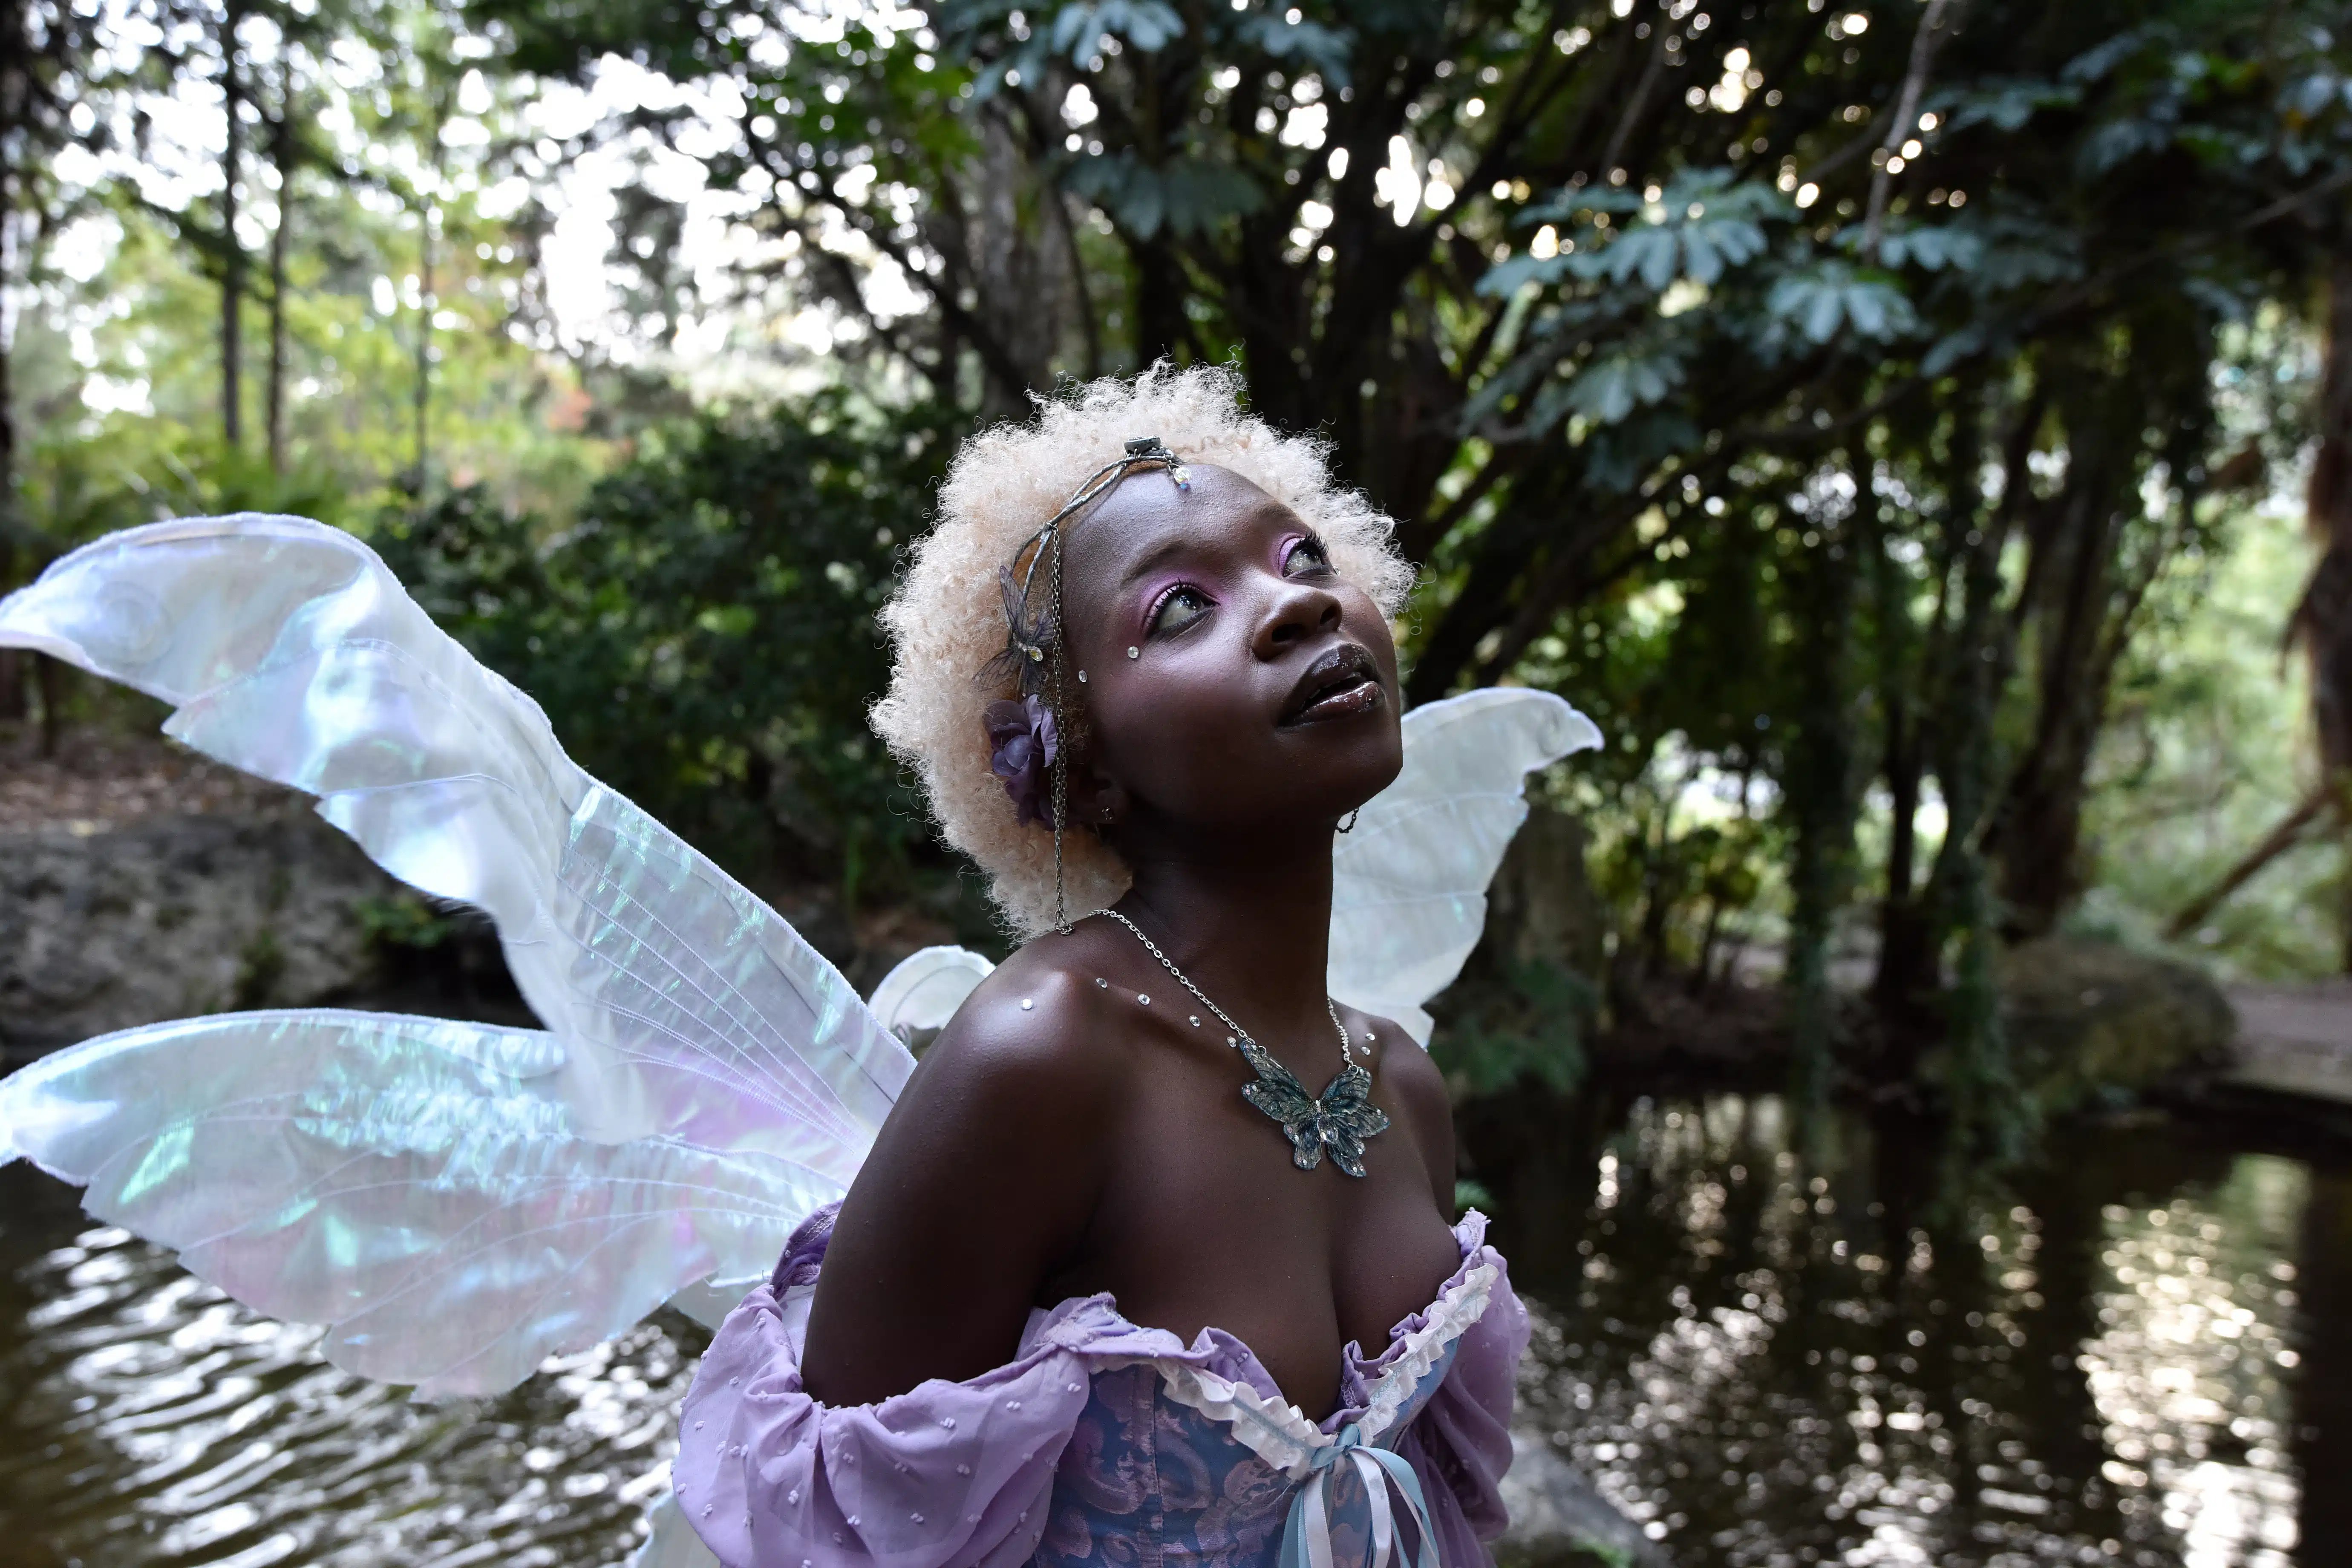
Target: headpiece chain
{"x": 1034, "y": 655}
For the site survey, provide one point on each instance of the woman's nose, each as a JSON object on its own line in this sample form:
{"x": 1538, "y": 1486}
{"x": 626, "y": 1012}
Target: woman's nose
{"x": 1298, "y": 611}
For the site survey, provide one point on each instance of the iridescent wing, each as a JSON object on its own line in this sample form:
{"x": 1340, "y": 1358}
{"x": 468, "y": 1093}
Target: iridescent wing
{"x": 423, "y": 1188}
{"x": 1409, "y": 895}
{"x": 922, "y": 993}
{"x": 702, "y": 1067}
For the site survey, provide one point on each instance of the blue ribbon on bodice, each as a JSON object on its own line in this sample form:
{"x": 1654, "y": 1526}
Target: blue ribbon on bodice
{"x": 1306, "y": 1534}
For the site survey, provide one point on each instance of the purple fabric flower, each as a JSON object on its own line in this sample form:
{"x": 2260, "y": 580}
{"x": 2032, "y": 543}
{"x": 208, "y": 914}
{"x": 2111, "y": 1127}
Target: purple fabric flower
{"x": 1022, "y": 746}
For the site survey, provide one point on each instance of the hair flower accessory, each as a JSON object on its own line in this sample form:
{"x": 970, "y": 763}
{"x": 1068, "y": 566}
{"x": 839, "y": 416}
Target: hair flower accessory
{"x": 1020, "y": 735}
{"x": 1023, "y": 745}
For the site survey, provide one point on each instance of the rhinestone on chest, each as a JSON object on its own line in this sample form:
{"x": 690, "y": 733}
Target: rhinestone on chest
{"x": 1336, "y": 1121}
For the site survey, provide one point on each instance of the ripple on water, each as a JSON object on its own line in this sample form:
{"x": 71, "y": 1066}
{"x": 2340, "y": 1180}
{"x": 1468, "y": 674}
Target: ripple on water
{"x": 150, "y": 1421}
{"x": 1765, "y": 1365}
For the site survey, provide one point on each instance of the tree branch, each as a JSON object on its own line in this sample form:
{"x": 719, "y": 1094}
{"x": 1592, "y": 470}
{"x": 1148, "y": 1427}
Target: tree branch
{"x": 1907, "y": 115}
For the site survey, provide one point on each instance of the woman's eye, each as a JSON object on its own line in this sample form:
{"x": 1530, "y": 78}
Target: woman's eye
{"x": 1304, "y": 556}
{"x": 1177, "y": 608}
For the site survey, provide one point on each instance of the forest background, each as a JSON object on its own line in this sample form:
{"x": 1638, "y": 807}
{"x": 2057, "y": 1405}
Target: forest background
{"x": 1918, "y": 433}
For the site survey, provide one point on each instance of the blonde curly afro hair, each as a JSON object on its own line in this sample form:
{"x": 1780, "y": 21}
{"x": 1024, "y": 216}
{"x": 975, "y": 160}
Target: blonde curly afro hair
{"x": 946, "y": 620}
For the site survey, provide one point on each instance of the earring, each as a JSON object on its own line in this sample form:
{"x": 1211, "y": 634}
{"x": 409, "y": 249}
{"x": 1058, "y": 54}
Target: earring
{"x": 1350, "y": 826}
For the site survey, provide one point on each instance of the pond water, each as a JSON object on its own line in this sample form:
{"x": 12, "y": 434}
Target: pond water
{"x": 2133, "y": 1352}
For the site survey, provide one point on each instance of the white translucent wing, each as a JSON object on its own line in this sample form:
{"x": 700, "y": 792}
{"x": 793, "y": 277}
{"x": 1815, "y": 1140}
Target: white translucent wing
{"x": 1408, "y": 894}
{"x": 673, "y": 1543}
{"x": 687, "y": 1012}
{"x": 927, "y": 987}
{"x": 421, "y": 1188}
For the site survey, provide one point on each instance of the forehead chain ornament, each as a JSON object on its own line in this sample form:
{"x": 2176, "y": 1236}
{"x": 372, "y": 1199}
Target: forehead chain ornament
{"x": 1033, "y": 643}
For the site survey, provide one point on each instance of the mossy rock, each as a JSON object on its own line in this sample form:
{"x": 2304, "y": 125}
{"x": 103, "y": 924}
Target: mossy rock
{"x": 2088, "y": 1019}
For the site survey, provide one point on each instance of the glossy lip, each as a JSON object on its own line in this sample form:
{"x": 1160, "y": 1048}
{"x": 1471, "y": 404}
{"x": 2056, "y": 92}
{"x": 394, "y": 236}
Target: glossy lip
{"x": 1343, "y": 681}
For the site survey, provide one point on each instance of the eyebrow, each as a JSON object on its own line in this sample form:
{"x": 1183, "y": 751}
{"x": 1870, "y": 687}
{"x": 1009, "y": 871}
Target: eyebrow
{"x": 1174, "y": 545}
{"x": 1151, "y": 560}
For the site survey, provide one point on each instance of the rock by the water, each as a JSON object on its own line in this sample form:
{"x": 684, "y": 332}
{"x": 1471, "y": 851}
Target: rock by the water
{"x": 1560, "y": 1519}
{"x": 2084, "y": 1016}
{"x": 174, "y": 916}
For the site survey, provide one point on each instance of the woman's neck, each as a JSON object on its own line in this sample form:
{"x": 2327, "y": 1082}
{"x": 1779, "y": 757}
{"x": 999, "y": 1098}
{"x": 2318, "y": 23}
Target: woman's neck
{"x": 1249, "y": 921}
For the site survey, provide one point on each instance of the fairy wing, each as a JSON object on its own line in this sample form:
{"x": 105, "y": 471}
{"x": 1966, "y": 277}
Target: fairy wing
{"x": 923, "y": 992}
{"x": 422, "y": 1187}
{"x": 705, "y": 1080}
{"x": 1408, "y": 891}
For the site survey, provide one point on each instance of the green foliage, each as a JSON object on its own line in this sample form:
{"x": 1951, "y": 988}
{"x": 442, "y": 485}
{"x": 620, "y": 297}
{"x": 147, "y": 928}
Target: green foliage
{"x": 404, "y": 919}
{"x": 1469, "y": 1194}
{"x": 1853, "y": 474}
{"x": 1530, "y": 1026}
{"x": 701, "y": 634}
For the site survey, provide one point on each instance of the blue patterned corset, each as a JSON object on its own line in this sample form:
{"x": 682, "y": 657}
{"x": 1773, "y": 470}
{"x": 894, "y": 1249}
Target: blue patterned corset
{"x": 1148, "y": 1479}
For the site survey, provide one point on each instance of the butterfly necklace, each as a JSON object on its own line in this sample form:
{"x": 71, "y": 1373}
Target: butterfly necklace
{"x": 1339, "y": 1120}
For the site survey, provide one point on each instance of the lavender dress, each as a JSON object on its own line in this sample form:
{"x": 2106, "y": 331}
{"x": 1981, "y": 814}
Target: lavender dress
{"x": 1106, "y": 1445}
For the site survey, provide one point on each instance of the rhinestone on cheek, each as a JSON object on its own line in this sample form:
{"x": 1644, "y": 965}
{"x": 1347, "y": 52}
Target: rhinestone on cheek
{"x": 1144, "y": 998}
{"x": 1027, "y": 1003}
{"x": 1135, "y": 652}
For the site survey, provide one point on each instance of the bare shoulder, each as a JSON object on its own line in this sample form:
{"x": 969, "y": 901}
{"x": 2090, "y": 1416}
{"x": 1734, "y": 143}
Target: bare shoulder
{"x": 1416, "y": 1090}
{"x": 1023, "y": 1059}
{"x": 980, "y": 1183}
{"x": 1412, "y": 1077}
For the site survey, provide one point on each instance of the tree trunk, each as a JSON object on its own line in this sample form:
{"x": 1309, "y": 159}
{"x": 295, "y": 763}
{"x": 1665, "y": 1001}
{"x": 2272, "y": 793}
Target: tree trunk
{"x": 232, "y": 253}
{"x": 281, "y": 149}
{"x": 2041, "y": 817}
{"x": 2069, "y": 601}
{"x": 1819, "y": 800}
{"x": 1906, "y": 968}
{"x": 14, "y": 665}
{"x": 1158, "y": 303}
{"x": 2322, "y": 621}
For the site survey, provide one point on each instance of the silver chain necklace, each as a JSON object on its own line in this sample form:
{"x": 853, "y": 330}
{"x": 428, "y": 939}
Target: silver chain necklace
{"x": 1337, "y": 1120}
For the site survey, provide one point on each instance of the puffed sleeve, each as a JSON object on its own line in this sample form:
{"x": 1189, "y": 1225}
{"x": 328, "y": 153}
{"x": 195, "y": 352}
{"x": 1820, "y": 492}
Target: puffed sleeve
{"x": 948, "y": 1473}
{"x": 1460, "y": 1443}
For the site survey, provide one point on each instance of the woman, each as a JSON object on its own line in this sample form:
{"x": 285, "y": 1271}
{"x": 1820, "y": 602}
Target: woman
{"x": 1098, "y": 1295}
{"x": 1111, "y": 1283}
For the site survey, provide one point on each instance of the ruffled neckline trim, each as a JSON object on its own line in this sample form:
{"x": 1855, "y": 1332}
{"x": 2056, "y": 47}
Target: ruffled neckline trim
{"x": 1220, "y": 1377}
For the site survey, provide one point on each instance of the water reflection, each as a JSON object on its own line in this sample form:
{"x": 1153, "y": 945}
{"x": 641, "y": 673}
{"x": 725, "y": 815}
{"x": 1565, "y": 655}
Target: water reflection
{"x": 1772, "y": 1366}
{"x": 151, "y": 1421}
